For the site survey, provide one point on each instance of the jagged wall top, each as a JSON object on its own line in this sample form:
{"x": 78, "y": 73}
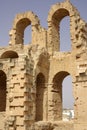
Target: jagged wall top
{"x": 49, "y": 38}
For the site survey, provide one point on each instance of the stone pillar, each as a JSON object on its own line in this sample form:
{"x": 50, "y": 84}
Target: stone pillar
{"x": 54, "y": 103}
{"x": 80, "y": 89}
{"x": 19, "y": 113}
{"x": 41, "y": 98}
{"x": 29, "y": 95}
{"x": 45, "y": 104}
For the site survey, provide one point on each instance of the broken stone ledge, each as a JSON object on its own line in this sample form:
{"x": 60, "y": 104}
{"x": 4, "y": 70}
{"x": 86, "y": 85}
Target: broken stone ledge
{"x": 60, "y": 125}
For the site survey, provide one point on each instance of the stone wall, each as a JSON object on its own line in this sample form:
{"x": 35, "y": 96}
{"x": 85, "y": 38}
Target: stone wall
{"x": 31, "y": 75}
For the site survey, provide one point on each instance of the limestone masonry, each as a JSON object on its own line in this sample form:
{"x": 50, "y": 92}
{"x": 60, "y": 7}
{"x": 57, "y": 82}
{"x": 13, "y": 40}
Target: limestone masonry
{"x": 31, "y": 75}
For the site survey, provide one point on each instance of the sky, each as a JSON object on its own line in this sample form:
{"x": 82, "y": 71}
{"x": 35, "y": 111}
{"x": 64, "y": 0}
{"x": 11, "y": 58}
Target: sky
{"x": 9, "y": 9}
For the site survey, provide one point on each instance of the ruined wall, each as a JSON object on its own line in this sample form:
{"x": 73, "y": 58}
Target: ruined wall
{"x": 23, "y": 20}
{"x": 31, "y": 75}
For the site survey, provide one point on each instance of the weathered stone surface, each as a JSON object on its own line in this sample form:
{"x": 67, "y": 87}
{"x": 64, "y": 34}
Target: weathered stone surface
{"x": 52, "y": 126}
{"x": 31, "y": 75}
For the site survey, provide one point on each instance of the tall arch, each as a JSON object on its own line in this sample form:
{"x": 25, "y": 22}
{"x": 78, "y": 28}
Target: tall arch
{"x": 2, "y": 91}
{"x": 21, "y": 22}
{"x": 57, "y": 94}
{"x": 40, "y": 85}
{"x": 56, "y": 14}
{"x": 56, "y": 24}
{"x": 20, "y": 26}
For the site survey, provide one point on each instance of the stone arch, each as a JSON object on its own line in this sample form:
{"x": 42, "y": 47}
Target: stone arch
{"x": 56, "y": 14}
{"x": 41, "y": 69}
{"x": 40, "y": 85}
{"x": 22, "y": 21}
{"x": 9, "y": 54}
{"x": 57, "y": 94}
{"x": 2, "y": 91}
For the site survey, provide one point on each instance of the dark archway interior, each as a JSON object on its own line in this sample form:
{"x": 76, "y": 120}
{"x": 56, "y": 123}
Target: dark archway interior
{"x": 58, "y": 78}
{"x": 60, "y": 14}
{"x": 2, "y": 91}
{"x": 9, "y": 54}
{"x": 40, "y": 85}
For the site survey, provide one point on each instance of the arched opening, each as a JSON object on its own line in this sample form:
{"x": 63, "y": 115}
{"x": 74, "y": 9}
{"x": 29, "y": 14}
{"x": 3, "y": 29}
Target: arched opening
{"x": 65, "y": 41}
{"x": 22, "y": 28}
{"x": 61, "y": 30}
{"x": 40, "y": 85}
{"x": 68, "y": 99}
{"x": 58, "y": 93}
{"x": 27, "y": 35}
{"x": 9, "y": 54}
{"x": 2, "y": 91}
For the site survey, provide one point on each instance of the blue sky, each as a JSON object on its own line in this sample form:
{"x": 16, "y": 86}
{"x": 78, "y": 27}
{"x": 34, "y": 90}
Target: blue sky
{"x": 9, "y": 9}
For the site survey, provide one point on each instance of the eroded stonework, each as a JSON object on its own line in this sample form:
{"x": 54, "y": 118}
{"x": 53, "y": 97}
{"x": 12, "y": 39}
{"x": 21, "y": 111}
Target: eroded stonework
{"x": 31, "y": 75}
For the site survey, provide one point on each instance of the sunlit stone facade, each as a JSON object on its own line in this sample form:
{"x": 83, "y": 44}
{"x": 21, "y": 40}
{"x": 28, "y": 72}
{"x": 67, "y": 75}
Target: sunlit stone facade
{"x": 31, "y": 75}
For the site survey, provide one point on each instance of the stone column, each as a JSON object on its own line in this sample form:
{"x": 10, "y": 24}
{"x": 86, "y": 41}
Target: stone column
{"x": 80, "y": 89}
{"x": 54, "y": 103}
{"x": 19, "y": 112}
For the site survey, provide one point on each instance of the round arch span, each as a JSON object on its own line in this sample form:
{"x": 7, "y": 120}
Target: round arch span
{"x": 9, "y": 54}
{"x": 57, "y": 94}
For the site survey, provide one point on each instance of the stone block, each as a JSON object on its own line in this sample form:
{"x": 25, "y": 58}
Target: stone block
{"x": 20, "y": 121}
